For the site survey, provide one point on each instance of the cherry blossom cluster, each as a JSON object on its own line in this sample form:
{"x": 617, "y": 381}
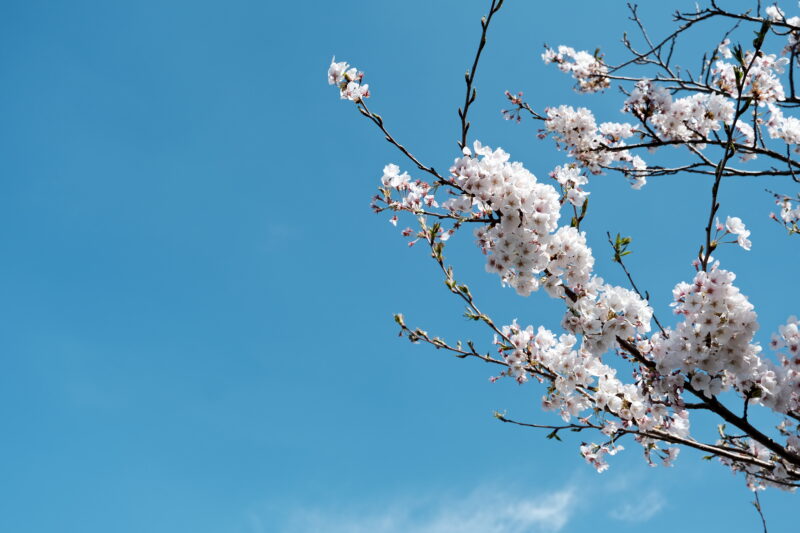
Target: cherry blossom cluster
{"x": 785, "y": 128}
{"x": 540, "y": 347}
{"x": 602, "y": 313}
{"x": 694, "y": 117}
{"x": 587, "y": 69}
{"x": 523, "y": 246}
{"x": 415, "y": 194}
{"x": 348, "y": 80}
{"x": 713, "y": 346}
{"x": 529, "y": 213}
{"x": 526, "y": 242}
{"x": 581, "y": 383}
{"x": 571, "y": 261}
{"x": 776, "y": 14}
{"x": 647, "y": 99}
{"x": 571, "y": 180}
{"x": 595, "y": 454}
{"x": 576, "y": 131}
{"x": 789, "y": 213}
{"x": 689, "y": 118}
{"x": 572, "y": 371}
{"x": 788, "y": 339}
{"x": 761, "y": 83}
{"x": 758, "y": 477}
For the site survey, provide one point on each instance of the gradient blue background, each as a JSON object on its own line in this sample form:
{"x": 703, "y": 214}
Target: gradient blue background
{"x": 195, "y": 327}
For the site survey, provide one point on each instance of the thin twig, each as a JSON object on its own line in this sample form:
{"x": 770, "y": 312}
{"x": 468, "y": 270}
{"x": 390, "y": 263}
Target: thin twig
{"x": 757, "y": 505}
{"x": 618, "y": 259}
{"x": 469, "y": 76}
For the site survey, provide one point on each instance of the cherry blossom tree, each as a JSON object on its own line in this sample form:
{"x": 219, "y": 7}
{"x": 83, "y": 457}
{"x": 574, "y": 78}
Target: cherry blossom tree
{"x": 732, "y": 118}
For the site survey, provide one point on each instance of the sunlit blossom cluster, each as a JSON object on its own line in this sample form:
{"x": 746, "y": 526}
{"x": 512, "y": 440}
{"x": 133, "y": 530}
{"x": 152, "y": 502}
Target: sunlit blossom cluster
{"x": 415, "y": 194}
{"x": 576, "y": 131}
{"x": 776, "y": 14}
{"x": 647, "y": 99}
{"x": 580, "y": 383}
{"x": 761, "y": 83}
{"x": 689, "y": 118}
{"x": 789, "y": 213}
{"x": 588, "y": 70}
{"x": 758, "y": 477}
{"x": 595, "y": 454}
{"x": 571, "y": 180}
{"x": 786, "y": 343}
{"x": 575, "y": 372}
{"x": 713, "y": 346}
{"x": 602, "y": 313}
{"x": 782, "y": 127}
{"x": 529, "y": 212}
{"x": 694, "y": 117}
{"x": 348, "y": 80}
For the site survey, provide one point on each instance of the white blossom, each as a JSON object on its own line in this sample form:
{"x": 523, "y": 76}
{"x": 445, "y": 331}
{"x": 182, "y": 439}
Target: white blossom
{"x": 587, "y": 69}
{"x": 348, "y": 80}
{"x": 735, "y": 226}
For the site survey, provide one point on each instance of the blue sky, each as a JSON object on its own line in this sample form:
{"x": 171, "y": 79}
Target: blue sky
{"x": 196, "y": 321}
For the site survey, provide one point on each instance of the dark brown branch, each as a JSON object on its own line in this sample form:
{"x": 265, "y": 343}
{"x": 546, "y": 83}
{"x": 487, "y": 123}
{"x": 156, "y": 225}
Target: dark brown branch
{"x": 728, "y": 453}
{"x": 742, "y": 104}
{"x": 378, "y": 121}
{"x": 470, "y": 74}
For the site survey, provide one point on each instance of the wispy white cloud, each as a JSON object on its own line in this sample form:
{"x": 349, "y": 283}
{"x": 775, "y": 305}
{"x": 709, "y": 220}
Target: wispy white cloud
{"x": 642, "y": 508}
{"x": 482, "y": 512}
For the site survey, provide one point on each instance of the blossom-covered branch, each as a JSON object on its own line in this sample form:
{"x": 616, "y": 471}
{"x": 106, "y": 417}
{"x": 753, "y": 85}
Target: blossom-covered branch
{"x": 529, "y": 233}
